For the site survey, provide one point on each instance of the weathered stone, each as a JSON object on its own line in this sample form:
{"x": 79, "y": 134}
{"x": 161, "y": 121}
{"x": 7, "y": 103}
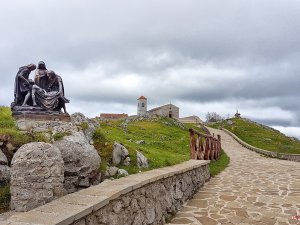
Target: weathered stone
{"x": 117, "y": 206}
{"x": 111, "y": 171}
{"x": 36, "y": 176}
{"x": 122, "y": 173}
{"x": 3, "y": 158}
{"x": 181, "y": 221}
{"x": 81, "y": 161}
{"x": 120, "y": 153}
{"x": 138, "y": 219}
{"x": 227, "y": 197}
{"x": 90, "y": 130}
{"x": 198, "y": 203}
{"x": 150, "y": 211}
{"x": 10, "y": 147}
{"x": 78, "y": 118}
{"x": 127, "y": 161}
{"x": 141, "y": 142}
{"x": 87, "y": 125}
{"x": 47, "y": 124}
{"x": 207, "y": 220}
{"x": 4, "y": 174}
{"x": 142, "y": 161}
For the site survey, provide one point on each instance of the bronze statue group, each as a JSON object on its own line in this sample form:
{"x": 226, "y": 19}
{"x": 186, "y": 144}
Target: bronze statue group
{"x": 46, "y": 91}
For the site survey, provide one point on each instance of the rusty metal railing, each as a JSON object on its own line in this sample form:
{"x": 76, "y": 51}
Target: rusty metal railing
{"x": 203, "y": 146}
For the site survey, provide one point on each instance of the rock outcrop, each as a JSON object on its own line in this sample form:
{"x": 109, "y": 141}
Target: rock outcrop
{"x": 120, "y": 155}
{"x": 142, "y": 161}
{"x": 111, "y": 171}
{"x": 4, "y": 174}
{"x": 87, "y": 125}
{"x": 3, "y": 158}
{"x": 81, "y": 162}
{"x": 37, "y": 175}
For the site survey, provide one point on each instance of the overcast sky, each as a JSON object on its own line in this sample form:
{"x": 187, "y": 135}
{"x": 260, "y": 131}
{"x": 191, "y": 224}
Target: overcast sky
{"x": 203, "y": 56}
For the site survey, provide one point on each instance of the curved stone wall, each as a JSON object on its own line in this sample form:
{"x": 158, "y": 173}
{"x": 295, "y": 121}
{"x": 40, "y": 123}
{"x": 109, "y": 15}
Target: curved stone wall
{"x": 151, "y": 197}
{"x": 290, "y": 157}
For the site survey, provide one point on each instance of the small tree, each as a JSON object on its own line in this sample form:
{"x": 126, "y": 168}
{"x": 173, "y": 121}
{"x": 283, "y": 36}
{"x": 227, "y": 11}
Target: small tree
{"x": 213, "y": 117}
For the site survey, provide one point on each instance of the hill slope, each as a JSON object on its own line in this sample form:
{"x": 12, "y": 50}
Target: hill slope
{"x": 260, "y": 136}
{"x": 166, "y": 140}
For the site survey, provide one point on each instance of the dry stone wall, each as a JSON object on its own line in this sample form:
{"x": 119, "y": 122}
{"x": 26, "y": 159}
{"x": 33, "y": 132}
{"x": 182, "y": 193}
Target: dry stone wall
{"x": 151, "y": 197}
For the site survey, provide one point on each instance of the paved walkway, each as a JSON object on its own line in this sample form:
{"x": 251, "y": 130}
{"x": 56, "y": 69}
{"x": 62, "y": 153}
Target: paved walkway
{"x": 252, "y": 190}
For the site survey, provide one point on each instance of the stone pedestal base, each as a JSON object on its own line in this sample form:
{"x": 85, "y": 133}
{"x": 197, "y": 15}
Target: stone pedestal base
{"x": 38, "y": 114}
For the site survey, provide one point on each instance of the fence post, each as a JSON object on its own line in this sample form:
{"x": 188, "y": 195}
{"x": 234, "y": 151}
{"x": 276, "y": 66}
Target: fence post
{"x": 192, "y": 143}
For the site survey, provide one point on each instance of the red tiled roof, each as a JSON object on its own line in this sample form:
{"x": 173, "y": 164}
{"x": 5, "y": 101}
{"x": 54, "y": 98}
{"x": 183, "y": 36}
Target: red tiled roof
{"x": 142, "y": 97}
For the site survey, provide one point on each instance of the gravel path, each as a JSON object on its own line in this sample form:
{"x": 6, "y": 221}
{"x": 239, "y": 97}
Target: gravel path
{"x": 252, "y": 190}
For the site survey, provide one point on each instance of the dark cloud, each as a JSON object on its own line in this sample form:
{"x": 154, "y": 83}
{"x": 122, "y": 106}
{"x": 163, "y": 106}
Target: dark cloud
{"x": 203, "y": 55}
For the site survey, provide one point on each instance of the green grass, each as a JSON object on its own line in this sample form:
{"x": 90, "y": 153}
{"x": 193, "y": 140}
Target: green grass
{"x": 216, "y": 167}
{"x": 166, "y": 143}
{"x": 84, "y": 126}
{"x": 17, "y": 137}
{"x": 4, "y": 197}
{"x": 59, "y": 135}
{"x": 8, "y": 127}
{"x": 261, "y": 136}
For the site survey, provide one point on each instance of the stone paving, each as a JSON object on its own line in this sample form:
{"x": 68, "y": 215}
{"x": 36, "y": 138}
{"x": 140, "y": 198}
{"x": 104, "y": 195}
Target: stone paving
{"x": 252, "y": 190}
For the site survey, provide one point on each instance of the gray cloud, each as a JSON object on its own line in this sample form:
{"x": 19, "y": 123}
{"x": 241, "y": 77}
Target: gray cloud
{"x": 214, "y": 55}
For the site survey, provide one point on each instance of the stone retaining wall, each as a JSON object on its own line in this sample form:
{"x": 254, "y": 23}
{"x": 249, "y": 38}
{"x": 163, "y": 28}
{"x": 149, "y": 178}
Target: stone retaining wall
{"x": 290, "y": 157}
{"x": 151, "y": 197}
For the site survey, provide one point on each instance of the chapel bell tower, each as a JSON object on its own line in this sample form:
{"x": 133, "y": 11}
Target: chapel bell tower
{"x": 142, "y": 106}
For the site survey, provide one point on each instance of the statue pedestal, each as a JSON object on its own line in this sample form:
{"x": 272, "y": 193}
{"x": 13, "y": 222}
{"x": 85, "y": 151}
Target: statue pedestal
{"x": 38, "y": 114}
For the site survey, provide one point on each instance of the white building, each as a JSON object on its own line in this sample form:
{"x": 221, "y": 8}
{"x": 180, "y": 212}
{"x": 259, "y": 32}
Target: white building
{"x": 169, "y": 110}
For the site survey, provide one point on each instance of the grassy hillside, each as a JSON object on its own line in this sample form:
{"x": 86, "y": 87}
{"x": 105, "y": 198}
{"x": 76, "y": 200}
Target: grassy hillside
{"x": 261, "y": 136}
{"x": 166, "y": 142}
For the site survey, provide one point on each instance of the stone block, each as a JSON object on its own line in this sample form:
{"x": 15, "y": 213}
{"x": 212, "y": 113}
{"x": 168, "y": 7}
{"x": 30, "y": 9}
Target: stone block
{"x": 33, "y": 183}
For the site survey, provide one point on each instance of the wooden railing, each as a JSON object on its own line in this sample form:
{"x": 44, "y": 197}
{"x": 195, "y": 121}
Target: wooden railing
{"x": 203, "y": 146}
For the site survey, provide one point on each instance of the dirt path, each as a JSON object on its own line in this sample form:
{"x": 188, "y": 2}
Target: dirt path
{"x": 252, "y": 190}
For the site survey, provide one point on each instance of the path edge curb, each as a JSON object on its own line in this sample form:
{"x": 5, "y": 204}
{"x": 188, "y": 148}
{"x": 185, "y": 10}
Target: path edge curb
{"x": 290, "y": 157}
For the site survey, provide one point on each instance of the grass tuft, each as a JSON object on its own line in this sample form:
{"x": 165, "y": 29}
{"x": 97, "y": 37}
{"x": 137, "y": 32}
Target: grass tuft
{"x": 216, "y": 167}
{"x": 4, "y": 197}
{"x": 60, "y": 135}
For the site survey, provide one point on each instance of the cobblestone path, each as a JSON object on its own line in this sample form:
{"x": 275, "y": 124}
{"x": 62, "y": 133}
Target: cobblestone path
{"x": 252, "y": 190}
